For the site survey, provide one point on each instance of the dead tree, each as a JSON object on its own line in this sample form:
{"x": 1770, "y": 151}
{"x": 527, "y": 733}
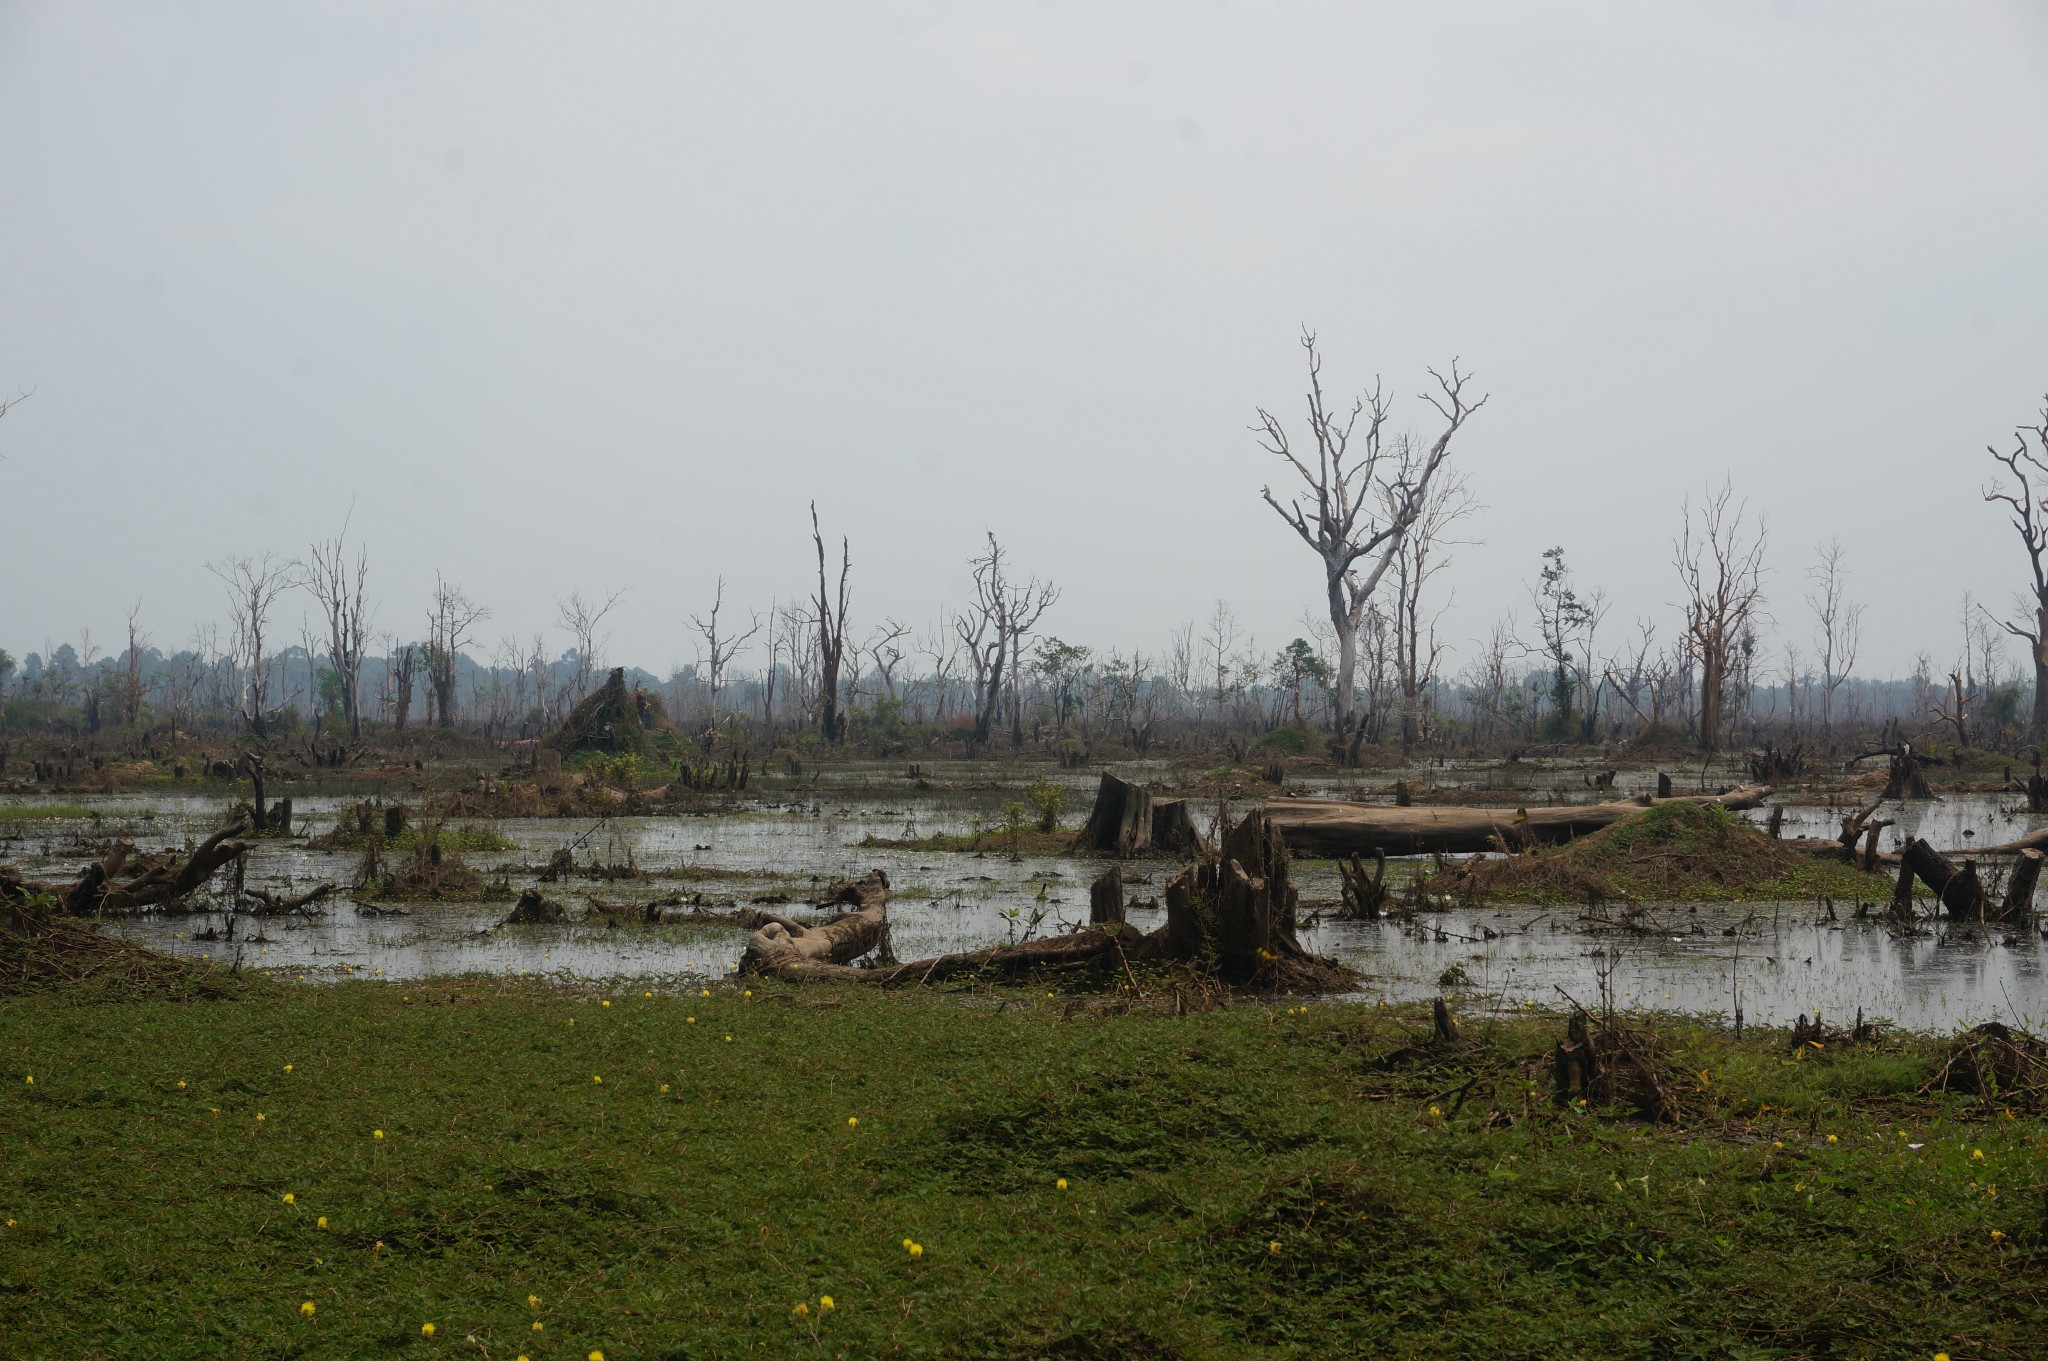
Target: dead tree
{"x": 1418, "y": 559}
{"x": 831, "y": 623}
{"x": 449, "y": 621}
{"x": 1838, "y": 628}
{"x": 1720, "y": 565}
{"x": 118, "y": 882}
{"x": 993, "y": 630}
{"x": 581, "y": 619}
{"x": 401, "y": 669}
{"x": 338, "y": 584}
{"x": 2027, "y": 462}
{"x": 254, "y": 584}
{"x": 719, "y": 650}
{"x": 1360, "y": 502}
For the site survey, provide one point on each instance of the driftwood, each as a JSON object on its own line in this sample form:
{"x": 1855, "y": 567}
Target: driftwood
{"x": 101, "y": 889}
{"x": 1328, "y": 827}
{"x": 791, "y": 950}
{"x": 271, "y": 905}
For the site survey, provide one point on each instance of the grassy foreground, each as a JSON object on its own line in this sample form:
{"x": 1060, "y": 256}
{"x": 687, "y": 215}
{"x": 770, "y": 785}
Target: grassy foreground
{"x": 1252, "y": 1182}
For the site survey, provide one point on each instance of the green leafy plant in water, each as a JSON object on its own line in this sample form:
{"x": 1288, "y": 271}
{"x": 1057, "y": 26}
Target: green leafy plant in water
{"x": 1047, "y": 801}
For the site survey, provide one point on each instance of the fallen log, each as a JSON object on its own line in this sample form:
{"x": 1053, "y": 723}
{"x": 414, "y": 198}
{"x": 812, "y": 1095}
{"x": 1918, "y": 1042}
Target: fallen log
{"x": 791, "y": 950}
{"x": 271, "y": 905}
{"x": 1232, "y": 917}
{"x": 1328, "y": 827}
{"x": 100, "y": 888}
{"x": 1959, "y": 891}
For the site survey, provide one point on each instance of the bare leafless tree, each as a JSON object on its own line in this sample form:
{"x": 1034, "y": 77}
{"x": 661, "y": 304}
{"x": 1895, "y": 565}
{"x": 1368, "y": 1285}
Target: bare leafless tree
{"x": 449, "y": 620}
{"x": 2027, "y": 462}
{"x": 940, "y": 646}
{"x": 339, "y": 585}
{"x": 1422, "y": 554}
{"x": 1720, "y": 567}
{"x": 1838, "y": 626}
{"x": 581, "y": 619}
{"x": 719, "y": 649}
{"x": 1360, "y": 500}
{"x": 992, "y": 631}
{"x": 131, "y": 691}
{"x": 254, "y": 584}
{"x": 884, "y": 654}
{"x": 831, "y": 625}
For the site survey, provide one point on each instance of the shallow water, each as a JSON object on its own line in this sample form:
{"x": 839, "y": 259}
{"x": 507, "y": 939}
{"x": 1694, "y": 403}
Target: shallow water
{"x": 1783, "y": 960}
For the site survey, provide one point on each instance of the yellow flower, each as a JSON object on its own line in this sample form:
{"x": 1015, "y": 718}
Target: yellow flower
{"x": 376, "y": 1134}
{"x": 1978, "y": 1154}
{"x": 824, "y": 1303}
{"x": 1941, "y": 1356}
{"x": 728, "y": 1039}
{"x": 706, "y": 992}
{"x": 30, "y": 1079}
{"x": 1273, "y": 1246}
{"x": 287, "y": 1067}
{"x": 181, "y": 1084}
{"x": 538, "y": 1326}
{"x": 595, "y": 1078}
{"x": 906, "y": 1245}
{"x": 1434, "y": 1111}
{"x": 606, "y": 1002}
{"x": 426, "y": 1330}
{"x": 10, "y": 1223}
{"x": 664, "y": 1089}
{"x": 917, "y": 1249}
{"x": 1833, "y": 1140}
{"x": 691, "y": 1019}
{"x": 289, "y": 1198}
{"x": 1997, "y": 1235}
{"x": 647, "y": 994}
{"x": 259, "y": 1116}
{"x": 748, "y": 993}
{"x": 321, "y": 1222}
{"x": 1061, "y": 1183}
{"x": 307, "y": 1308}
{"x": 596, "y": 1356}
{"x": 533, "y": 1301}
{"x": 377, "y": 1246}
{"x": 801, "y": 1309}
{"x": 852, "y": 1120}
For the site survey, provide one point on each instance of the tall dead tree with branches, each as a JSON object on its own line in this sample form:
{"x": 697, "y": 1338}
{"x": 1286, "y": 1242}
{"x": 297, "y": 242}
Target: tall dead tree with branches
{"x": 581, "y": 619}
{"x": 992, "y": 631}
{"x": 1720, "y": 566}
{"x": 2028, "y": 462}
{"x": 254, "y": 584}
{"x": 449, "y": 621}
{"x": 831, "y": 623}
{"x": 1361, "y": 500}
{"x": 339, "y": 583}
{"x": 1838, "y": 627}
{"x": 1421, "y": 556}
{"x": 719, "y": 648}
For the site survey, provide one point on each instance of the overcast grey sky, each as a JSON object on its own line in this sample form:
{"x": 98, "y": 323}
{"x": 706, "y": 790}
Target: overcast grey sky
{"x": 575, "y": 296}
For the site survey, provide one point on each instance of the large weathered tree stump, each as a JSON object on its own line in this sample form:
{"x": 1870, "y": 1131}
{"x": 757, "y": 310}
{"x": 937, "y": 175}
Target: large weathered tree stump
{"x": 1121, "y": 822}
{"x": 2019, "y": 886}
{"x": 1174, "y": 831}
{"x": 1959, "y": 890}
{"x": 1236, "y": 914}
{"x": 1106, "y": 898}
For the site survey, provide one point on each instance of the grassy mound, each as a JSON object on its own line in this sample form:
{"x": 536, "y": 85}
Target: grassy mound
{"x": 1673, "y": 852}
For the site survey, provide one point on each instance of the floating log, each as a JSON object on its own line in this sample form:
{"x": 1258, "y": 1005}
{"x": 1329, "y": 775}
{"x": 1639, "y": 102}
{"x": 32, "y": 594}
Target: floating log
{"x": 790, "y": 950}
{"x": 1327, "y": 827}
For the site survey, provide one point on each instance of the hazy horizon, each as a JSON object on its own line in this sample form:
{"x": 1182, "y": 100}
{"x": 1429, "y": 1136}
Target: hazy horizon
{"x": 563, "y": 304}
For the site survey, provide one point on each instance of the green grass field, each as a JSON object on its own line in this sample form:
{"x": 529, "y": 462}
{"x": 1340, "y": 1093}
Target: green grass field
{"x": 672, "y": 1176}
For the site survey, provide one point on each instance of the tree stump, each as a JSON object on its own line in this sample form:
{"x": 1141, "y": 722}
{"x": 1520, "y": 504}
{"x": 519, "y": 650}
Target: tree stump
{"x": 2019, "y": 886}
{"x": 1106, "y": 898}
{"x": 1174, "y": 831}
{"x": 1121, "y": 821}
{"x": 1236, "y": 914}
{"x": 1960, "y": 892}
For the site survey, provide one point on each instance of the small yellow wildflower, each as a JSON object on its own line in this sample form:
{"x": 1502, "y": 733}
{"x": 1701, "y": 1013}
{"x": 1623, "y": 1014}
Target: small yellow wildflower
{"x": 852, "y": 1120}
{"x": 539, "y": 1327}
{"x": 1061, "y": 1184}
{"x": 287, "y": 1067}
{"x": 664, "y": 1089}
{"x": 917, "y": 1249}
{"x": 1997, "y": 1235}
{"x": 705, "y": 993}
{"x": 691, "y": 1019}
{"x": 906, "y": 1245}
{"x": 289, "y": 1198}
{"x": 321, "y": 1222}
{"x": 748, "y": 993}
{"x": 533, "y": 1301}
{"x": 1941, "y": 1356}
{"x": 647, "y": 994}
{"x": 10, "y": 1223}
{"x": 376, "y": 1134}
{"x": 307, "y": 1309}
{"x": 824, "y": 1304}
{"x": 595, "y": 1078}
{"x": 259, "y": 1117}
{"x": 1435, "y": 1112}
{"x": 1833, "y": 1140}
{"x": 596, "y": 1356}
{"x": 426, "y": 1330}
{"x": 1978, "y": 1154}
{"x": 801, "y": 1309}
{"x": 1274, "y": 1246}
{"x": 605, "y": 1003}
{"x": 728, "y": 1039}
{"x": 181, "y": 1084}
{"x": 377, "y": 1246}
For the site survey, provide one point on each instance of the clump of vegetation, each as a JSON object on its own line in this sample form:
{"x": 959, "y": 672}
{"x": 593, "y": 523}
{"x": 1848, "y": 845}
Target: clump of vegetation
{"x": 1672, "y": 852}
{"x": 44, "y": 812}
{"x": 1046, "y": 801}
{"x": 41, "y": 951}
